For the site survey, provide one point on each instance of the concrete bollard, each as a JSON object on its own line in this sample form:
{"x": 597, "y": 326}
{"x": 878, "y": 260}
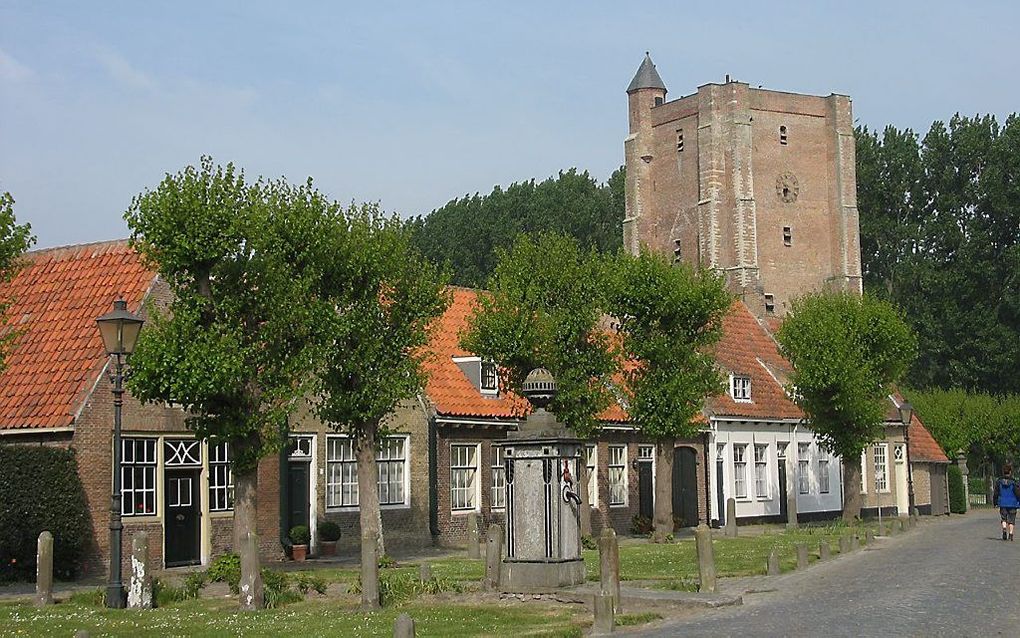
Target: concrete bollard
{"x": 791, "y": 512}
{"x": 881, "y": 529}
{"x": 473, "y": 535}
{"x": 912, "y": 522}
{"x": 855, "y": 542}
{"x": 424, "y": 572}
{"x": 493, "y": 556}
{"x": 609, "y": 565}
{"x": 139, "y": 595}
{"x": 253, "y": 596}
{"x": 403, "y": 627}
{"x": 772, "y": 567}
{"x": 824, "y": 551}
{"x": 894, "y": 527}
{"x": 706, "y": 558}
{"x": 44, "y": 570}
{"x": 844, "y": 544}
{"x": 605, "y": 619}
{"x": 869, "y": 537}
{"x": 802, "y": 555}
{"x": 731, "y": 518}
{"x": 902, "y": 522}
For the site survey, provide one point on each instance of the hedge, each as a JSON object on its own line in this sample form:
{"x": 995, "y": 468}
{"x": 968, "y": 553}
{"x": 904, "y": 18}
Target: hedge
{"x": 41, "y": 491}
{"x": 957, "y": 495}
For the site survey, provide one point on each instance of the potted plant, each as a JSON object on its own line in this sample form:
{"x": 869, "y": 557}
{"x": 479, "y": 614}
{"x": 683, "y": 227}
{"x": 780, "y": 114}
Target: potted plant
{"x": 299, "y": 536}
{"x": 329, "y": 534}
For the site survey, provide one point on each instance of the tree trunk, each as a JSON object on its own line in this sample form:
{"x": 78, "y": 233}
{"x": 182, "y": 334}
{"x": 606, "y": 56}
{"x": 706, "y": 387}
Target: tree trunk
{"x": 851, "y": 489}
{"x": 245, "y": 491}
{"x": 663, "y": 518}
{"x": 582, "y": 491}
{"x": 369, "y": 516}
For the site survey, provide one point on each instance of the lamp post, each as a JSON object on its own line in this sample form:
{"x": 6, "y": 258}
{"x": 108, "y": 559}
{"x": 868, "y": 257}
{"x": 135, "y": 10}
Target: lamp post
{"x": 119, "y": 329}
{"x": 906, "y": 414}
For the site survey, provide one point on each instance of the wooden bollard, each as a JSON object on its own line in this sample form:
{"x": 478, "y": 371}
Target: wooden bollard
{"x": 403, "y": 627}
{"x": 139, "y": 594}
{"x": 706, "y": 558}
{"x": 869, "y": 537}
{"x": 844, "y": 544}
{"x": 44, "y": 570}
{"x": 609, "y": 566}
{"x": 493, "y": 556}
{"x": 855, "y": 542}
{"x": 731, "y": 518}
{"x": 473, "y": 534}
{"x": 791, "y": 512}
{"x": 605, "y": 618}
{"x": 824, "y": 551}
{"x": 772, "y": 566}
{"x": 802, "y": 555}
{"x": 894, "y": 527}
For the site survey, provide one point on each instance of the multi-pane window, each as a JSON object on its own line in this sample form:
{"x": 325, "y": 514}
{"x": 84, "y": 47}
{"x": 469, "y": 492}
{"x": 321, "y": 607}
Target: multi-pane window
{"x": 463, "y": 477}
{"x": 761, "y": 476}
{"x": 881, "y": 451}
{"x": 770, "y": 303}
{"x": 221, "y": 478}
{"x": 679, "y": 140}
{"x": 341, "y": 473}
{"x": 740, "y": 388}
{"x": 823, "y": 472}
{"x": 783, "y": 137}
{"x": 591, "y": 462}
{"x": 646, "y": 452}
{"x": 489, "y": 378}
{"x": 803, "y": 468}
{"x": 498, "y": 496}
{"x": 390, "y": 461}
{"x": 617, "y": 474}
{"x": 138, "y": 477}
{"x": 740, "y": 470}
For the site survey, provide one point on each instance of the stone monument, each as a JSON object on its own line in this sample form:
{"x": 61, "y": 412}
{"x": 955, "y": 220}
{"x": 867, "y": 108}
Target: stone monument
{"x": 543, "y": 527}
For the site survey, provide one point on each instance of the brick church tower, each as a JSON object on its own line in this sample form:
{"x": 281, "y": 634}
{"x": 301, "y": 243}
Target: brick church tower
{"x": 759, "y": 185}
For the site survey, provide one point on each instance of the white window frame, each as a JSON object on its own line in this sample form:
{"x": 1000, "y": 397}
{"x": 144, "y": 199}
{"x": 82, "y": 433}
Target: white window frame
{"x": 881, "y": 451}
{"x": 386, "y": 463}
{"x": 474, "y": 488}
{"x": 740, "y": 471}
{"x": 221, "y": 478}
{"x": 740, "y": 388}
{"x": 864, "y": 471}
{"x": 591, "y": 461}
{"x": 823, "y": 471}
{"x": 803, "y": 468}
{"x": 493, "y": 387}
{"x": 497, "y": 462}
{"x": 342, "y": 473}
{"x": 618, "y": 466}
{"x": 150, "y": 468}
{"x": 761, "y": 471}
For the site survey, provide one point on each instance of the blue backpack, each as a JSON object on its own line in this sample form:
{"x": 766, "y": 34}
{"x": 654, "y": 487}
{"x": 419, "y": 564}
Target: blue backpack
{"x": 1007, "y": 494}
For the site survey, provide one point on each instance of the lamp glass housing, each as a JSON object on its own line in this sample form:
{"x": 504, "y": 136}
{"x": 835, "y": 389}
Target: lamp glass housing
{"x": 119, "y": 329}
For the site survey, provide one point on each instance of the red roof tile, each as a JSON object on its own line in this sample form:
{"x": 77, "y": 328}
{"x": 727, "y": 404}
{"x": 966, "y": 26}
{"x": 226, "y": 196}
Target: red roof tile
{"x": 923, "y": 446}
{"x": 56, "y": 299}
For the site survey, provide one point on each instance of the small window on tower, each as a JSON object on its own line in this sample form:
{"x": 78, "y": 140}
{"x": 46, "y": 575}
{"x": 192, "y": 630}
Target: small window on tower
{"x": 787, "y": 236}
{"x": 782, "y": 135}
{"x": 677, "y": 253}
{"x": 770, "y": 304}
{"x": 658, "y": 101}
{"x": 679, "y": 140}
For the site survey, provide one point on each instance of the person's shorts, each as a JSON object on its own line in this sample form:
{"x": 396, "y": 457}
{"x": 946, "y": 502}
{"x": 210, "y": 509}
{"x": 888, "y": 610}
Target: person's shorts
{"x": 1008, "y": 515}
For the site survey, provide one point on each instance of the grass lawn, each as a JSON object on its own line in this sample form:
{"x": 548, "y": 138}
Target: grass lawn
{"x": 208, "y": 617}
{"x": 450, "y": 569}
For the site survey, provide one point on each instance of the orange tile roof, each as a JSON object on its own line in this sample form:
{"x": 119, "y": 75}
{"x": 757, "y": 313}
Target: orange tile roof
{"x": 746, "y": 348}
{"x": 923, "y": 446}
{"x": 56, "y": 299}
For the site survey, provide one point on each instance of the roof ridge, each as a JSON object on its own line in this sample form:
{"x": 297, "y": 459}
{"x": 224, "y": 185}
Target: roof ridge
{"x": 106, "y": 243}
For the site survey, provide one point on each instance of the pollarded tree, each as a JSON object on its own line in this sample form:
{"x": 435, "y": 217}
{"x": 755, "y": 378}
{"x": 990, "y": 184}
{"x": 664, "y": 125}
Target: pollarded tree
{"x": 544, "y": 308}
{"x": 386, "y": 296}
{"x": 669, "y": 316}
{"x": 847, "y": 351}
{"x": 15, "y": 239}
{"x": 237, "y": 345}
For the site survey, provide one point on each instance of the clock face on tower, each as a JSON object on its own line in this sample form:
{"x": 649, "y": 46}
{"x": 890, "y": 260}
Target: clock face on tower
{"x": 787, "y": 187}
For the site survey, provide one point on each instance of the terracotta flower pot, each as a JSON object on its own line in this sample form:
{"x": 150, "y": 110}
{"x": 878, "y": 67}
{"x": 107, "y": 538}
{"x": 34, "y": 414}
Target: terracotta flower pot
{"x": 300, "y": 552}
{"x": 327, "y": 548}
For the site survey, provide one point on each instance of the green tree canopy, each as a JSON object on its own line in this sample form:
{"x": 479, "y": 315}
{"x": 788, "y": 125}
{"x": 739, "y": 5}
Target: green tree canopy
{"x": 15, "y": 239}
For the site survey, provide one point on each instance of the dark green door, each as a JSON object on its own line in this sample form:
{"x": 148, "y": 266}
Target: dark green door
{"x": 298, "y": 502}
{"x": 646, "y": 495}
{"x": 685, "y": 486}
{"x": 182, "y": 517}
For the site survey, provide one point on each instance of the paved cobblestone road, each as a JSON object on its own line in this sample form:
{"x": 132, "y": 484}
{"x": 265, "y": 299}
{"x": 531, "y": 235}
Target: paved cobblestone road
{"x": 948, "y": 577}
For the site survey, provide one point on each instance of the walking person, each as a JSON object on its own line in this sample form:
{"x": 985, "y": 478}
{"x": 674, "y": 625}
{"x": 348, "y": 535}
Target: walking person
{"x": 1007, "y": 498}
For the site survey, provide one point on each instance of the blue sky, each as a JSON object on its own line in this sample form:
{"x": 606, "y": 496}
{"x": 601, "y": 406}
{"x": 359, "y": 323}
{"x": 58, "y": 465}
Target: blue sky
{"x": 412, "y": 104}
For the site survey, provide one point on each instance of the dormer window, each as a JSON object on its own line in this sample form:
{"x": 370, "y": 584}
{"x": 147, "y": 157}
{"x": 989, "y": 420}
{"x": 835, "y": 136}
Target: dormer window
{"x": 740, "y": 388}
{"x": 489, "y": 383}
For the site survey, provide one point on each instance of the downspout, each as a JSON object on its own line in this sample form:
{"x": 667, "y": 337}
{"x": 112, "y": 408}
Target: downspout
{"x": 706, "y": 435}
{"x": 433, "y": 469}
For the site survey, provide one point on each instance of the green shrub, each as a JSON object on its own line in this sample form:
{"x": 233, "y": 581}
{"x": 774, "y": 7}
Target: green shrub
{"x": 978, "y": 486}
{"x": 386, "y": 561}
{"x": 588, "y": 542}
{"x": 400, "y": 587}
{"x": 310, "y": 582}
{"x": 226, "y": 568}
{"x": 641, "y": 525}
{"x": 89, "y": 597}
{"x": 300, "y": 535}
{"x": 957, "y": 495}
{"x": 329, "y": 531}
{"x": 276, "y": 586}
{"x": 166, "y": 594}
{"x": 41, "y": 491}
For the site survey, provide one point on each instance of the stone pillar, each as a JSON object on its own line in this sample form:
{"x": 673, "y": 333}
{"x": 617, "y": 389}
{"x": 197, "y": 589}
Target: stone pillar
{"x": 855, "y": 542}
{"x": 869, "y": 537}
{"x": 881, "y": 529}
{"x": 772, "y": 568}
{"x": 893, "y": 527}
{"x": 824, "y": 551}
{"x": 424, "y": 572}
{"x": 791, "y": 508}
{"x": 605, "y": 620}
{"x": 802, "y": 555}
{"x": 473, "y": 535}
{"x": 44, "y": 570}
{"x": 139, "y": 595}
{"x": 609, "y": 565}
{"x": 844, "y": 544}
{"x": 493, "y": 556}
{"x": 961, "y": 462}
{"x": 731, "y": 518}
{"x": 403, "y": 627}
{"x": 706, "y": 558}
{"x": 252, "y": 594}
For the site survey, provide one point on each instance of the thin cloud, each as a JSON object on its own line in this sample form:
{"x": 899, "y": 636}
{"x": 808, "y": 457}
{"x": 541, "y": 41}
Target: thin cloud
{"x": 122, "y": 71}
{"x": 11, "y": 69}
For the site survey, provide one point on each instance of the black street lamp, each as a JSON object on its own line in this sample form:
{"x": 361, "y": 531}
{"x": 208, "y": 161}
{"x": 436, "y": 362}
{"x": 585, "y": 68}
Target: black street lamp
{"x": 119, "y": 329}
{"x": 906, "y": 414}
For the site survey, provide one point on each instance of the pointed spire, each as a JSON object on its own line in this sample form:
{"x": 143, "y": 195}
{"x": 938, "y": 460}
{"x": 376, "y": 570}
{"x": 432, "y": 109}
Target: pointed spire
{"x": 646, "y": 77}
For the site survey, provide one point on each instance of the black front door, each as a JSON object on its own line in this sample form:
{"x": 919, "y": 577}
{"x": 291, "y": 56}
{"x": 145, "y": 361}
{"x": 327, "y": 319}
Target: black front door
{"x": 297, "y": 494}
{"x": 783, "y": 498}
{"x": 646, "y": 494}
{"x": 182, "y": 517}
{"x": 685, "y": 486}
